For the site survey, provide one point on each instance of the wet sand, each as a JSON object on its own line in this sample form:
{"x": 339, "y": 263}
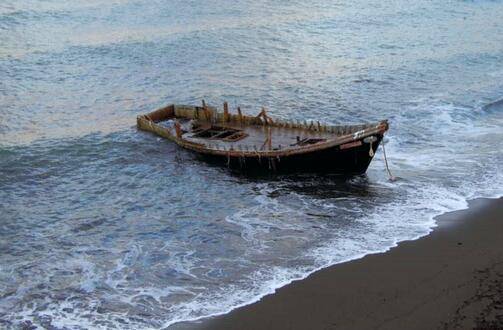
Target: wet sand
{"x": 452, "y": 278}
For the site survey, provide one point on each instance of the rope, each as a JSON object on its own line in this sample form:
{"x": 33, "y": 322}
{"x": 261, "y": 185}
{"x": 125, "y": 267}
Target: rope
{"x": 391, "y": 177}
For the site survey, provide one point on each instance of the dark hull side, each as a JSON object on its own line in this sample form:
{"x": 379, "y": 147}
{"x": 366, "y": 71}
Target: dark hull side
{"x": 333, "y": 160}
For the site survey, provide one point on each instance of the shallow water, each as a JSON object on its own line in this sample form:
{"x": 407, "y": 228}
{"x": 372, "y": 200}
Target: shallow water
{"x": 102, "y": 226}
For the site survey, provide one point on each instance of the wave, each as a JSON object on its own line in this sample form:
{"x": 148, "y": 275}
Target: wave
{"x": 292, "y": 227}
{"x": 388, "y": 224}
{"x": 494, "y": 106}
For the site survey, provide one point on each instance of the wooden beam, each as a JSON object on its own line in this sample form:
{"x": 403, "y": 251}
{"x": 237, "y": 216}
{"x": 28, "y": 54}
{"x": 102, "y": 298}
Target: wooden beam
{"x": 240, "y": 115}
{"x": 178, "y": 130}
{"x": 226, "y": 112}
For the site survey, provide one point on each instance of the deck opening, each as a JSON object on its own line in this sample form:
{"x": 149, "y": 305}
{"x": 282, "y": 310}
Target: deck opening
{"x": 220, "y": 133}
{"x": 239, "y": 135}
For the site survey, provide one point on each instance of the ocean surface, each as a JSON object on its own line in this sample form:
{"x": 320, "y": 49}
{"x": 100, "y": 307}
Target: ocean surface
{"x": 103, "y": 226}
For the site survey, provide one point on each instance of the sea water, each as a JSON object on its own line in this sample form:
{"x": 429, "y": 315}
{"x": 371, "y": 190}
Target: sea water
{"x": 104, "y": 226}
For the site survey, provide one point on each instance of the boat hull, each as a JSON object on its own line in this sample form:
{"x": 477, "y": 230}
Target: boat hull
{"x": 260, "y": 144}
{"x": 334, "y": 160}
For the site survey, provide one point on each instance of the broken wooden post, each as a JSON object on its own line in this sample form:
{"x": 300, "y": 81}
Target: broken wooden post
{"x": 178, "y": 130}
{"x": 206, "y": 112}
{"x": 267, "y": 141}
{"x": 269, "y": 137}
{"x": 240, "y": 115}
{"x": 226, "y": 112}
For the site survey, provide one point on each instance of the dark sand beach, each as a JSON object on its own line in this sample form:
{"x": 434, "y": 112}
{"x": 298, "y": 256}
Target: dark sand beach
{"x": 452, "y": 278}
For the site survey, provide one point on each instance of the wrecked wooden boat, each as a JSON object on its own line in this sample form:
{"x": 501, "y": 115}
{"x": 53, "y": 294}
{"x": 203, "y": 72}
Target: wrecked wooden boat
{"x": 261, "y": 143}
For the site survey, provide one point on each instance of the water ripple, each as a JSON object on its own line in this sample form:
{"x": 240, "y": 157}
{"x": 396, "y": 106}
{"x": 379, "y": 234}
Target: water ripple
{"x": 103, "y": 226}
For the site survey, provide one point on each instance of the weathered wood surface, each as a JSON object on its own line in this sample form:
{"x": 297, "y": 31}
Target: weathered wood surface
{"x": 265, "y": 137}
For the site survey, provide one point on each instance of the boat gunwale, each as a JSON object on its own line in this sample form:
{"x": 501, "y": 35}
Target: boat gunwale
{"x": 145, "y": 122}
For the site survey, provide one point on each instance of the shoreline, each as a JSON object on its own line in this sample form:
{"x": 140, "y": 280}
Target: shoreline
{"x": 433, "y": 280}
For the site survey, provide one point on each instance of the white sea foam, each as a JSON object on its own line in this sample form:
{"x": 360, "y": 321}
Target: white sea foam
{"x": 403, "y": 219}
{"x": 291, "y": 230}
